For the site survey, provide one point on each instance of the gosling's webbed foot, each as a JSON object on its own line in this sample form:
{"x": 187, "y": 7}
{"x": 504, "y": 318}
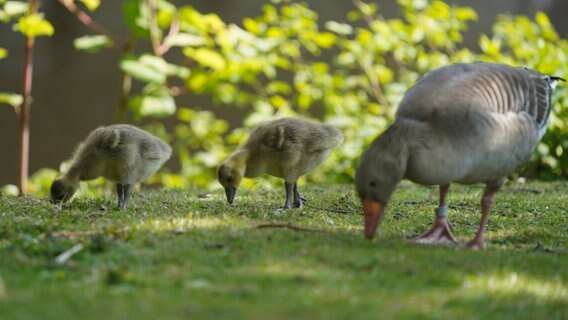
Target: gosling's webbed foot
{"x": 292, "y": 196}
{"x": 291, "y": 205}
{"x": 298, "y": 199}
{"x": 298, "y": 204}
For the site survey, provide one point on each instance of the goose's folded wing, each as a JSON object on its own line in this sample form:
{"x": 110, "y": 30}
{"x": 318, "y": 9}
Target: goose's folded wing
{"x": 458, "y": 92}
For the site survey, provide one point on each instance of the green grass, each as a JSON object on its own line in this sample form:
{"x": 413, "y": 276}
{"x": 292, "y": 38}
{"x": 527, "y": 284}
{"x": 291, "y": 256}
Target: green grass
{"x": 185, "y": 255}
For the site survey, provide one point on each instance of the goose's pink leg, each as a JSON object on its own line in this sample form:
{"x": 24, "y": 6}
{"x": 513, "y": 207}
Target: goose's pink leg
{"x": 486, "y": 204}
{"x": 440, "y": 232}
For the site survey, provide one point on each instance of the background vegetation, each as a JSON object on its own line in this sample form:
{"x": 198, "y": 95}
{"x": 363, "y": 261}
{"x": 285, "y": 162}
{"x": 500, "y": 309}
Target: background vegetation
{"x": 288, "y": 62}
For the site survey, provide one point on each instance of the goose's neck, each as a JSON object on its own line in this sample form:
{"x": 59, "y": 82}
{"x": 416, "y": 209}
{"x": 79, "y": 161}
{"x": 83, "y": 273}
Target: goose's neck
{"x": 85, "y": 166}
{"x": 394, "y": 145}
{"x": 74, "y": 172}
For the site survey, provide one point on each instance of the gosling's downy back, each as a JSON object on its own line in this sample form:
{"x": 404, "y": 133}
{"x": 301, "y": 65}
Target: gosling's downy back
{"x": 120, "y": 153}
{"x": 294, "y": 134}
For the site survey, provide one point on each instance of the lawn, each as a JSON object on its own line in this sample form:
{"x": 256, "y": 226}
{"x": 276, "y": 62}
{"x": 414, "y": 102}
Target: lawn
{"x": 186, "y": 254}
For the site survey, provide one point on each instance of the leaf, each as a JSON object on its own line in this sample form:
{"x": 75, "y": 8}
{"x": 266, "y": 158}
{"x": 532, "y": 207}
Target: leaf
{"x": 466, "y": 14}
{"x": 157, "y": 106}
{"x": 179, "y": 71}
{"x": 489, "y": 46}
{"x": 197, "y": 81}
{"x": 368, "y": 9}
{"x": 12, "y": 99}
{"x": 253, "y": 26}
{"x": 136, "y": 16}
{"x": 165, "y": 14}
{"x": 542, "y": 19}
{"x": 325, "y": 39}
{"x": 152, "y": 61}
{"x": 190, "y": 18}
{"x": 92, "y": 44}
{"x": 185, "y": 115}
{"x": 184, "y": 40}
{"x": 278, "y": 87}
{"x": 34, "y": 25}
{"x": 15, "y": 8}
{"x": 339, "y": 28}
{"x": 92, "y": 5}
{"x": 188, "y": 15}
{"x": 3, "y": 53}
{"x": 206, "y": 57}
{"x": 146, "y": 69}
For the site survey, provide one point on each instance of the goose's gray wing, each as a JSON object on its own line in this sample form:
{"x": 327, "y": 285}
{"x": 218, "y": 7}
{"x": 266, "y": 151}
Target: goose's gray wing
{"x": 452, "y": 95}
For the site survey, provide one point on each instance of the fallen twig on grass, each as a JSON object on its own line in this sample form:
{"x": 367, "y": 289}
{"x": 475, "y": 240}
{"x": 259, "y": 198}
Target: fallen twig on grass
{"x": 528, "y": 190}
{"x": 88, "y": 233}
{"x": 287, "y": 226}
{"x": 67, "y": 254}
{"x": 332, "y": 209}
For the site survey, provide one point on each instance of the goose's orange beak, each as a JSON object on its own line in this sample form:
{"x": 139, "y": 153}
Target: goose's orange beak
{"x": 374, "y": 212}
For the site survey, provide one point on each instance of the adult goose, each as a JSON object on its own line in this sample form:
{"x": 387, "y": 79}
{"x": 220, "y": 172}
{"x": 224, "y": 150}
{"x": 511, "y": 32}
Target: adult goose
{"x": 286, "y": 148}
{"x": 465, "y": 123}
{"x": 121, "y": 153}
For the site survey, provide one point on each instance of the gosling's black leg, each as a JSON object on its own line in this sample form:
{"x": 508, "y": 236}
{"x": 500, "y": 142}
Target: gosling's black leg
{"x": 289, "y": 195}
{"x": 120, "y": 193}
{"x": 127, "y": 191}
{"x": 298, "y": 199}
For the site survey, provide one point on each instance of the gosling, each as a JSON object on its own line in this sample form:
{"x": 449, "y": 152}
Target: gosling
{"x": 286, "y": 148}
{"x": 121, "y": 153}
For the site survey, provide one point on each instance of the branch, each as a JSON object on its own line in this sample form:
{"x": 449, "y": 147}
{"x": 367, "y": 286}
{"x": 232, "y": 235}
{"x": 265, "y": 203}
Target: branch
{"x": 153, "y": 27}
{"x": 84, "y": 18}
{"x": 24, "y": 110}
{"x": 174, "y": 29}
{"x": 159, "y": 48}
{"x": 377, "y": 89}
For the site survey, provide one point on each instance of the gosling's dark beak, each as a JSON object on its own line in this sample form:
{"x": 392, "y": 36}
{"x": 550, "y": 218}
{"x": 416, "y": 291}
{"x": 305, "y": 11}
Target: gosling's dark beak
{"x": 230, "y": 192}
{"x": 374, "y": 212}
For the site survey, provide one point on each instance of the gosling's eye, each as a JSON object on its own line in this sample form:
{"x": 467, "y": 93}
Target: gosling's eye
{"x": 372, "y": 184}
{"x": 230, "y": 179}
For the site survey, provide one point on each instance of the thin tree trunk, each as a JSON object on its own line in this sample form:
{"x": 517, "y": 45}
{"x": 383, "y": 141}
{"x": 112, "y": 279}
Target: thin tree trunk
{"x": 24, "y": 110}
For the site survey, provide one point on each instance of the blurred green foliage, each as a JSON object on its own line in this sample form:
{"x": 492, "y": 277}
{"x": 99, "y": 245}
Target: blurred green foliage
{"x": 26, "y": 19}
{"x": 28, "y": 24}
{"x": 350, "y": 74}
